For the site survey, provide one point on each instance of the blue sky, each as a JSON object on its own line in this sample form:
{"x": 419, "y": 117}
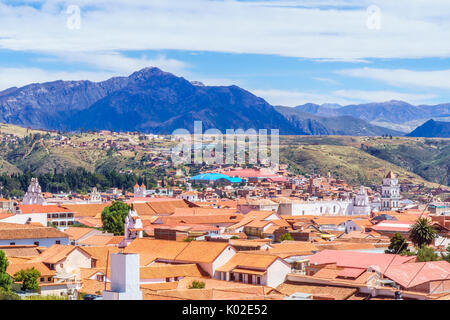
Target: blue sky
{"x": 289, "y": 52}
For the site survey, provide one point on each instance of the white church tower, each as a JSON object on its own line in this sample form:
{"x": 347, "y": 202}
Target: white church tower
{"x": 95, "y": 196}
{"x": 361, "y": 203}
{"x": 133, "y": 228}
{"x": 390, "y": 193}
{"x": 140, "y": 191}
{"x": 34, "y": 193}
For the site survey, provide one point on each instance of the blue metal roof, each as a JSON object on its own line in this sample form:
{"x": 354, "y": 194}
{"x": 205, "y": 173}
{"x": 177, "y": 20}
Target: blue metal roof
{"x": 215, "y": 176}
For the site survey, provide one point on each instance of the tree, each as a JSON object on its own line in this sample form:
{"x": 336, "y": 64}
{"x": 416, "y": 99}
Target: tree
{"x": 426, "y": 254}
{"x": 398, "y": 244}
{"x": 422, "y": 233}
{"x": 5, "y": 279}
{"x": 113, "y": 217}
{"x": 8, "y": 295}
{"x": 286, "y": 236}
{"x": 197, "y": 285}
{"x": 446, "y": 256}
{"x": 28, "y": 278}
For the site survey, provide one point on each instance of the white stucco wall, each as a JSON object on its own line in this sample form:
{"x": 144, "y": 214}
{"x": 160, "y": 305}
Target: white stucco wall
{"x": 75, "y": 260}
{"x": 223, "y": 258}
{"x": 43, "y": 242}
{"x": 314, "y": 208}
{"x": 276, "y": 273}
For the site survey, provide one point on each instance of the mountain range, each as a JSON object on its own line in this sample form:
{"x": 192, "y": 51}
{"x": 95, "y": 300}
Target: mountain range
{"x": 392, "y": 114}
{"x": 154, "y": 101}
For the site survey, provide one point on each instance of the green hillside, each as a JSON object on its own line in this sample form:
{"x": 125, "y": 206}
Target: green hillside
{"x": 365, "y": 160}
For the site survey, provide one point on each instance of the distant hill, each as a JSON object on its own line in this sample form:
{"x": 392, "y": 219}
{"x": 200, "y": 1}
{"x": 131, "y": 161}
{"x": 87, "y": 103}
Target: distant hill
{"x": 394, "y": 114}
{"x": 337, "y": 125}
{"x": 319, "y": 110}
{"x": 431, "y": 128}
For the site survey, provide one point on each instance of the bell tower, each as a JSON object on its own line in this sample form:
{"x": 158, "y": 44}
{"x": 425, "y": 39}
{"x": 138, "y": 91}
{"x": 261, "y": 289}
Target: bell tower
{"x": 390, "y": 193}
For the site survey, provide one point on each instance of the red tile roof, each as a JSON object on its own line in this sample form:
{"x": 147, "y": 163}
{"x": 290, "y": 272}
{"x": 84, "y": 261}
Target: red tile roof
{"x": 38, "y": 208}
{"x": 412, "y": 274}
{"x": 351, "y": 272}
{"x": 353, "y": 259}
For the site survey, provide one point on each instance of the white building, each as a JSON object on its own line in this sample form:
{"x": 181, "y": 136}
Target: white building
{"x": 59, "y": 216}
{"x": 390, "y": 193}
{"x": 361, "y": 203}
{"x": 133, "y": 228}
{"x": 257, "y": 269}
{"x": 140, "y": 191}
{"x": 34, "y": 193}
{"x": 125, "y": 278}
{"x": 317, "y": 208}
{"x": 95, "y": 196}
{"x": 25, "y": 234}
{"x": 25, "y": 218}
{"x": 191, "y": 196}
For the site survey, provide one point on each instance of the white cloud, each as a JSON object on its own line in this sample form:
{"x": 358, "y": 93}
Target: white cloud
{"x": 382, "y": 96}
{"x": 293, "y": 98}
{"x": 17, "y": 77}
{"x": 403, "y": 78}
{"x": 110, "y": 65}
{"x": 323, "y": 30}
{"x": 116, "y": 62}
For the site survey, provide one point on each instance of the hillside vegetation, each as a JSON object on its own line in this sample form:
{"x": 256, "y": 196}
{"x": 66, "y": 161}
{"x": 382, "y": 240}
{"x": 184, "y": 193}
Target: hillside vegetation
{"x": 359, "y": 160}
{"x": 364, "y": 160}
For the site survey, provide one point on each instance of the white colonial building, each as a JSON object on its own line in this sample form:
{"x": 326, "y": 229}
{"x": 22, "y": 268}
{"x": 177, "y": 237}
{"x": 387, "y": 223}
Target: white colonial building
{"x": 95, "y": 196}
{"x": 361, "y": 203}
{"x": 390, "y": 193}
{"x": 317, "y": 208}
{"x": 133, "y": 228}
{"x": 140, "y": 191}
{"x": 34, "y": 193}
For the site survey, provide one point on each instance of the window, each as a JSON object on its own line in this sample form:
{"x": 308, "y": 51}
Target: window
{"x": 58, "y": 242}
{"x": 42, "y": 279}
{"x": 49, "y": 279}
{"x": 241, "y": 277}
{"x": 12, "y": 243}
{"x": 36, "y": 243}
{"x": 100, "y": 277}
{"x": 258, "y": 280}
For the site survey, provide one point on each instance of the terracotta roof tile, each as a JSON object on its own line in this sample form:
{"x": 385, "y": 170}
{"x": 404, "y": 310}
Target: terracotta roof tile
{"x": 12, "y": 231}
